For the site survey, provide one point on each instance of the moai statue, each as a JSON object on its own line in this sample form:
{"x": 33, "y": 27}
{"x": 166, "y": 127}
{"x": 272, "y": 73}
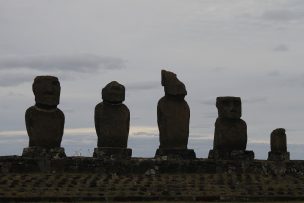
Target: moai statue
{"x": 44, "y": 121}
{"x": 278, "y": 146}
{"x": 230, "y": 135}
{"x": 112, "y": 122}
{"x": 173, "y": 116}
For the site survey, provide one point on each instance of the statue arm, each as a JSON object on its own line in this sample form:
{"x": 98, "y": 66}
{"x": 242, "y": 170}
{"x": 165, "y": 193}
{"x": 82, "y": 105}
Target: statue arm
{"x": 217, "y": 136}
{"x": 62, "y": 124}
{"x": 159, "y": 116}
{"x": 96, "y": 120}
{"x": 28, "y": 122}
{"x": 128, "y": 120}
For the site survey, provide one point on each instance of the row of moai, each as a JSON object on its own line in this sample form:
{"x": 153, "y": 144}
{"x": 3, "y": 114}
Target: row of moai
{"x": 45, "y": 124}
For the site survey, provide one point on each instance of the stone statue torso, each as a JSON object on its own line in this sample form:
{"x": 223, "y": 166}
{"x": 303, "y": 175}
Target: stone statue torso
{"x": 173, "y": 118}
{"x": 112, "y": 124}
{"x": 230, "y": 134}
{"x": 44, "y": 127}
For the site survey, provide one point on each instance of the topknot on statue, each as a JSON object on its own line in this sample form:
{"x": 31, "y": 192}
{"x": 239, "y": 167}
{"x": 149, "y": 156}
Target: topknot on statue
{"x": 173, "y": 86}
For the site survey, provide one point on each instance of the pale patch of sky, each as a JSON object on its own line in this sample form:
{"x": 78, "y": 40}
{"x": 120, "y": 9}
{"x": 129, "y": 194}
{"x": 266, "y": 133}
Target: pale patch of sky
{"x": 252, "y": 49}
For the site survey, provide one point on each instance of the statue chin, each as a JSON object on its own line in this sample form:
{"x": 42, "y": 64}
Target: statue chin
{"x": 52, "y": 102}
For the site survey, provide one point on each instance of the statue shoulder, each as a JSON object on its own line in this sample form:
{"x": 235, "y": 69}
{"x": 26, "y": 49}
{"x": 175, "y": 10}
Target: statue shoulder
{"x": 243, "y": 122}
{"x": 98, "y": 106}
{"x": 30, "y": 110}
{"x": 125, "y": 108}
{"x": 60, "y": 112}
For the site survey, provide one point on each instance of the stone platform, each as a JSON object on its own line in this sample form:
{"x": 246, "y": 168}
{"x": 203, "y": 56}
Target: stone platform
{"x": 175, "y": 154}
{"x": 78, "y": 179}
{"x": 32, "y": 152}
{"x": 278, "y": 156}
{"x": 233, "y": 155}
{"x": 112, "y": 153}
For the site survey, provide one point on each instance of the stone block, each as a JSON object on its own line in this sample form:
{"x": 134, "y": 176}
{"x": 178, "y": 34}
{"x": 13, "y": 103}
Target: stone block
{"x": 112, "y": 152}
{"x": 175, "y": 154}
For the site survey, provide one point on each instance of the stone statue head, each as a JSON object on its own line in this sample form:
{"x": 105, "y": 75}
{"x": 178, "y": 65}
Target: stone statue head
{"x": 229, "y": 107}
{"x": 113, "y": 92}
{"x": 46, "y": 90}
{"x": 173, "y": 86}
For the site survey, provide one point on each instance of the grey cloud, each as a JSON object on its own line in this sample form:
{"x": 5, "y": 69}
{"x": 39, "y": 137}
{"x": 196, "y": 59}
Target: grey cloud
{"x": 14, "y": 79}
{"x": 84, "y": 63}
{"x": 143, "y": 134}
{"x": 218, "y": 69}
{"x": 285, "y": 15}
{"x": 146, "y": 85}
{"x": 11, "y": 79}
{"x": 281, "y": 48}
{"x": 255, "y": 100}
{"x": 295, "y": 80}
{"x": 68, "y": 110}
{"x": 274, "y": 73}
{"x": 209, "y": 102}
{"x": 16, "y": 70}
{"x": 210, "y": 114}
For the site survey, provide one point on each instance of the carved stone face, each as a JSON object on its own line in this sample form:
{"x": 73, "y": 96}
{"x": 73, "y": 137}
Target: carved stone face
{"x": 47, "y": 90}
{"x": 113, "y": 92}
{"x": 229, "y": 107}
{"x": 173, "y": 86}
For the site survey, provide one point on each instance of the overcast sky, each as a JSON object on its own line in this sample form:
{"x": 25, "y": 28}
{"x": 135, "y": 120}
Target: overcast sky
{"x": 247, "y": 48}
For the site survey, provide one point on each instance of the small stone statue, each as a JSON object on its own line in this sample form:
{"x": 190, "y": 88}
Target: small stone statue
{"x": 173, "y": 116}
{"x": 278, "y": 146}
{"x": 44, "y": 121}
{"x": 230, "y": 135}
{"x": 112, "y": 122}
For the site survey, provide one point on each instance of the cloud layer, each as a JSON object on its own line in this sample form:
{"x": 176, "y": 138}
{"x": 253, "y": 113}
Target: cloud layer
{"x": 82, "y": 63}
{"x": 19, "y": 69}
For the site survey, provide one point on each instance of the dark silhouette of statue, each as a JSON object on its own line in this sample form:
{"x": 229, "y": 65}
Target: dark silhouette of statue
{"x": 112, "y": 122}
{"x": 230, "y": 135}
{"x": 278, "y": 145}
{"x": 173, "y": 116}
{"x": 44, "y": 121}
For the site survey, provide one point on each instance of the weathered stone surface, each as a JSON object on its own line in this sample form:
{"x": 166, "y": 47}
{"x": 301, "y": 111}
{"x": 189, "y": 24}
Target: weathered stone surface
{"x": 112, "y": 118}
{"x": 230, "y": 135}
{"x": 172, "y": 85}
{"x": 112, "y": 153}
{"x": 278, "y": 142}
{"x": 40, "y": 152}
{"x": 173, "y": 115}
{"x": 278, "y": 145}
{"x": 278, "y": 156}
{"x": 229, "y": 107}
{"x": 113, "y": 92}
{"x": 231, "y": 155}
{"x": 44, "y": 121}
{"x": 165, "y": 154}
{"x": 77, "y": 179}
{"x": 47, "y": 91}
